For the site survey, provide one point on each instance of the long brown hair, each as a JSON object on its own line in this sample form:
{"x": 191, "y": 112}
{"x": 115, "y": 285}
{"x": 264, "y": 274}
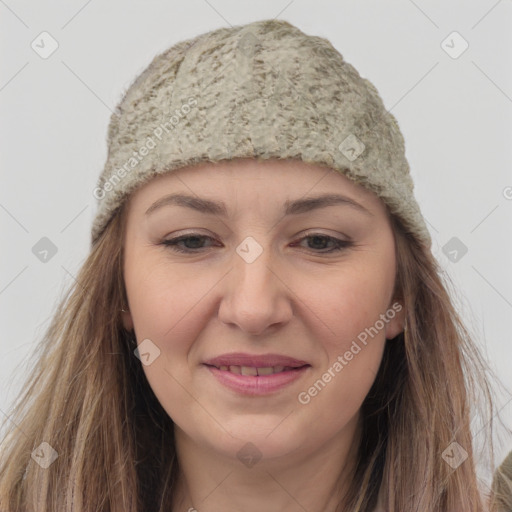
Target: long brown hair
{"x": 88, "y": 398}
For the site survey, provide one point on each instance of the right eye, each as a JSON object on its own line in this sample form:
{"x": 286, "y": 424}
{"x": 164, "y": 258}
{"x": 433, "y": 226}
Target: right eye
{"x": 173, "y": 243}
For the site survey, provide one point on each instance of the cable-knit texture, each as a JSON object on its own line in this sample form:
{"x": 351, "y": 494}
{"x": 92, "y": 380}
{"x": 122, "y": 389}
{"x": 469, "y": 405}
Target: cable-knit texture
{"x": 262, "y": 90}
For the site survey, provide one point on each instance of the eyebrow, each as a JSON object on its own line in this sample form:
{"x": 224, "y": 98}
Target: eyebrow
{"x": 294, "y": 207}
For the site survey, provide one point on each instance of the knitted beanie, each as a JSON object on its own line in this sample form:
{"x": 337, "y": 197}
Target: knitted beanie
{"x": 262, "y": 90}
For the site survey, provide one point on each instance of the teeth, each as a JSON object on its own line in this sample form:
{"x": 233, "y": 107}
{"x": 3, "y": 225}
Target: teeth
{"x": 265, "y": 371}
{"x": 250, "y": 370}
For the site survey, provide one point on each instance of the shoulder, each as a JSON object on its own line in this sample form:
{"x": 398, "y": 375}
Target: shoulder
{"x": 502, "y": 482}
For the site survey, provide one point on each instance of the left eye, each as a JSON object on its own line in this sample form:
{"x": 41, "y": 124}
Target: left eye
{"x": 173, "y": 243}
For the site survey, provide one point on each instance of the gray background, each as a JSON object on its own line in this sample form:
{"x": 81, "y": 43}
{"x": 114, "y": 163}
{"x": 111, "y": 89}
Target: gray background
{"x": 455, "y": 110}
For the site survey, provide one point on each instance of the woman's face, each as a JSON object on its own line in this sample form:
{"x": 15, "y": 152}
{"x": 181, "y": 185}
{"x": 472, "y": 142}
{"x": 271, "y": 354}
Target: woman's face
{"x": 265, "y": 329}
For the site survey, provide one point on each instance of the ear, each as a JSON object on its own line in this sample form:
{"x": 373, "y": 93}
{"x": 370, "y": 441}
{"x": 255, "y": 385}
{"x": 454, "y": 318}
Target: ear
{"x": 396, "y": 323}
{"x": 127, "y": 320}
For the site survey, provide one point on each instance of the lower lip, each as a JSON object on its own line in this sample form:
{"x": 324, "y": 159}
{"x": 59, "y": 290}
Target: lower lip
{"x": 256, "y": 385}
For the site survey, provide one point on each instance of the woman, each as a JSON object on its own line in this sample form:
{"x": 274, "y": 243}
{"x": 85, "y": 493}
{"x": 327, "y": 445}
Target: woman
{"x": 260, "y": 324}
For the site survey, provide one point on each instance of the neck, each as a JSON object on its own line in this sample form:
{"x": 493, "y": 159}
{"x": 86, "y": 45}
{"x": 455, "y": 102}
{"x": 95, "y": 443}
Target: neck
{"x": 315, "y": 479}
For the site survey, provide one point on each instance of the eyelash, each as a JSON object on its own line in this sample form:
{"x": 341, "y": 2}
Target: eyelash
{"x": 172, "y": 243}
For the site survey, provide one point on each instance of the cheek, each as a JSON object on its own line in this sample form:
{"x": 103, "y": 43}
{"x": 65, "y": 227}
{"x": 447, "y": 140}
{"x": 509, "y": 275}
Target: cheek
{"x": 162, "y": 299}
{"x": 352, "y": 302}
{"x": 353, "y": 348}
{"x": 351, "y": 307}
{"x": 164, "y": 312}
{"x": 165, "y": 304}
{"x": 170, "y": 306}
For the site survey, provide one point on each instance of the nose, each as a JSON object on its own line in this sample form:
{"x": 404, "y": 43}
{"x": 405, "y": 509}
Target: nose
{"x": 256, "y": 297}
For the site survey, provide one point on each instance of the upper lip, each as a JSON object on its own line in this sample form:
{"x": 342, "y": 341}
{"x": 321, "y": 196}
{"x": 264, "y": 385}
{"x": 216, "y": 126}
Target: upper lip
{"x": 256, "y": 361}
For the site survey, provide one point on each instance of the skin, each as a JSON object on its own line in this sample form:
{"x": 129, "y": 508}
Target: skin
{"x": 295, "y": 299}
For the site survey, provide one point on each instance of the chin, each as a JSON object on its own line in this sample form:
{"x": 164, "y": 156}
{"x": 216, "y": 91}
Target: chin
{"x": 258, "y": 438}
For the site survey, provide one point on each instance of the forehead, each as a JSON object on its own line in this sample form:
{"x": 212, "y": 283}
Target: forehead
{"x": 253, "y": 180}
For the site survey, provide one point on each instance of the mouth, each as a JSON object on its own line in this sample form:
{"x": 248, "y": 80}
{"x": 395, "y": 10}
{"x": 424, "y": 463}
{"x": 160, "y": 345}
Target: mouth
{"x": 257, "y": 371}
{"x": 256, "y": 375}
{"x": 254, "y": 364}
